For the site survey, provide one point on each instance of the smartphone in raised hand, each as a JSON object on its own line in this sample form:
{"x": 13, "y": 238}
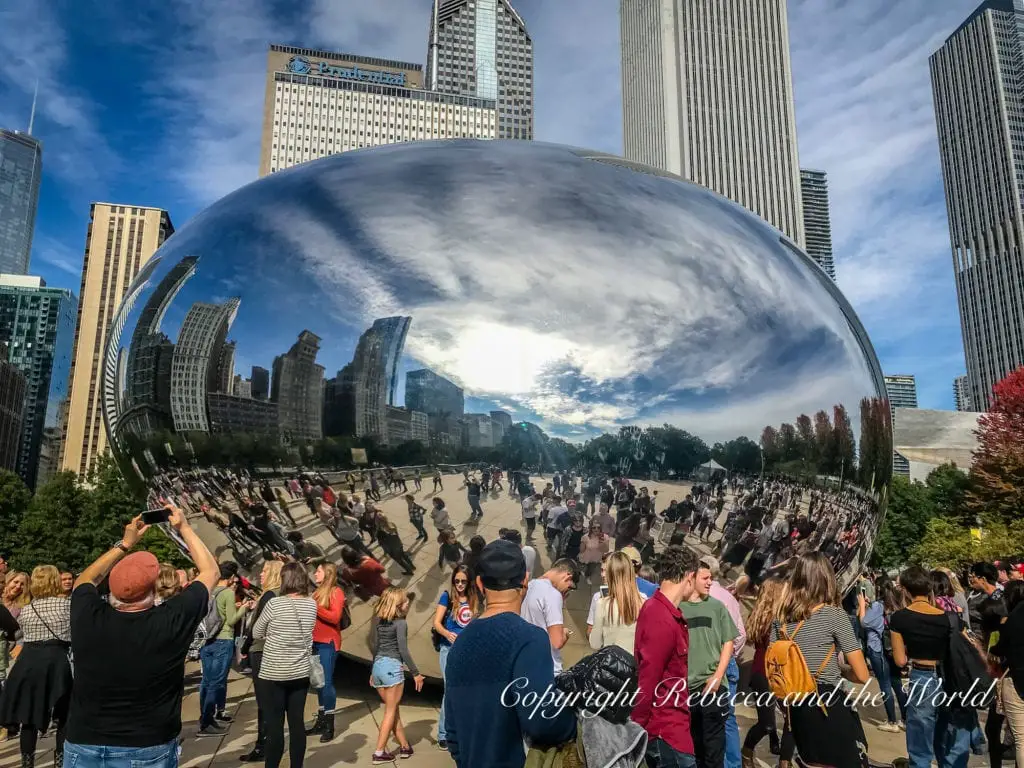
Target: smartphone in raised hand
{"x": 154, "y": 516}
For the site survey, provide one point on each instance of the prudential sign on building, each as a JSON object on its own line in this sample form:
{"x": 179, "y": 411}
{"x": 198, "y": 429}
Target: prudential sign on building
{"x": 300, "y": 65}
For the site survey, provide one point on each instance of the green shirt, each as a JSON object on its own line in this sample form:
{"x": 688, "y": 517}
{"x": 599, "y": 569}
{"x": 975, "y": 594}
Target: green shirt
{"x": 711, "y": 627}
{"x": 228, "y": 612}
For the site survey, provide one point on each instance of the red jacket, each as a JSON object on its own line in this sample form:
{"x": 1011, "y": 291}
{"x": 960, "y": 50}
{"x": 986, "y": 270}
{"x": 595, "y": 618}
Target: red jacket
{"x": 327, "y": 629}
{"x": 369, "y": 576}
{"x": 661, "y": 649}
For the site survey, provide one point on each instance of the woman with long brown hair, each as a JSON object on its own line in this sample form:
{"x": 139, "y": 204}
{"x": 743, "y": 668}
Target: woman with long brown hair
{"x": 389, "y": 635}
{"x": 286, "y": 623}
{"x": 759, "y": 629}
{"x": 459, "y": 604}
{"x": 167, "y": 583}
{"x": 38, "y": 690}
{"x": 617, "y": 611}
{"x": 811, "y": 617}
{"x": 330, "y": 605}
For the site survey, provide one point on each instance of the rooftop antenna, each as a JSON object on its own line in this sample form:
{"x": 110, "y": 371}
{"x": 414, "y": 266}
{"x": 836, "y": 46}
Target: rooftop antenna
{"x": 433, "y": 48}
{"x": 32, "y": 114}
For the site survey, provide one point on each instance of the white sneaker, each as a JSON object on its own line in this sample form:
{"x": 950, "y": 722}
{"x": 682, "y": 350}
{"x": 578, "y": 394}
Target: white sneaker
{"x": 889, "y": 727}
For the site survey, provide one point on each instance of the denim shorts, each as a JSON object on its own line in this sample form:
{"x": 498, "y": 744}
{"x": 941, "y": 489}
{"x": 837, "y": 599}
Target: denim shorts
{"x": 387, "y": 672}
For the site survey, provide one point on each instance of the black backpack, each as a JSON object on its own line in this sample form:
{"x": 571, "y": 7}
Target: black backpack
{"x": 965, "y": 667}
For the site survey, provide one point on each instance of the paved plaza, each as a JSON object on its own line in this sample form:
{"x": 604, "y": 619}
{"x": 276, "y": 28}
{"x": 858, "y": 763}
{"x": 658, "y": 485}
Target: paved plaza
{"x": 359, "y": 709}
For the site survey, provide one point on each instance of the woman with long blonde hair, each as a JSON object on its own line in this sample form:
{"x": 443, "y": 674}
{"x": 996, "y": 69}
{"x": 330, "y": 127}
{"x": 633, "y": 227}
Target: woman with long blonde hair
{"x": 16, "y": 592}
{"x": 38, "y": 690}
{"x": 811, "y": 617}
{"x": 330, "y": 606}
{"x": 167, "y": 583}
{"x": 759, "y": 629}
{"x": 617, "y": 611}
{"x": 389, "y": 635}
{"x": 270, "y": 583}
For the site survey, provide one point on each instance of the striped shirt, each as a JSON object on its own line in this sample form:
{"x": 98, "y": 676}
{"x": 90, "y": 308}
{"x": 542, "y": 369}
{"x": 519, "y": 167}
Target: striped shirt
{"x": 829, "y": 626}
{"x": 286, "y": 623}
{"x": 48, "y": 618}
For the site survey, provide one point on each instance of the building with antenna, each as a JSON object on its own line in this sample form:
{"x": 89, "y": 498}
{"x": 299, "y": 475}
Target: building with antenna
{"x": 21, "y": 170}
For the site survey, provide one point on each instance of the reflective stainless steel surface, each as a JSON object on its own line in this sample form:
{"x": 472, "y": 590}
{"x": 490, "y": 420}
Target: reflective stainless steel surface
{"x": 510, "y": 303}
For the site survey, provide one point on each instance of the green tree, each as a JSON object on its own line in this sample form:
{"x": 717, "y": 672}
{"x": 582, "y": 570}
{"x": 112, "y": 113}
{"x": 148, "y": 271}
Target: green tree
{"x": 52, "y": 530}
{"x": 906, "y": 519}
{"x": 14, "y": 500}
{"x": 947, "y": 542}
{"x": 948, "y": 488}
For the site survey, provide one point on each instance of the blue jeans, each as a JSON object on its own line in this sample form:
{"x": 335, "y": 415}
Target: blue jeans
{"x": 215, "y": 658}
{"x": 887, "y": 685}
{"x": 930, "y": 732}
{"x": 327, "y": 696}
{"x": 661, "y": 755}
{"x": 442, "y": 657}
{"x": 474, "y": 505}
{"x": 732, "y": 730}
{"x": 87, "y": 756}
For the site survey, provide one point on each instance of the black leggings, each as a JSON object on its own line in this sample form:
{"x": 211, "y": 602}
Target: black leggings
{"x": 29, "y": 736}
{"x": 765, "y": 724}
{"x": 284, "y": 698}
{"x": 531, "y": 525}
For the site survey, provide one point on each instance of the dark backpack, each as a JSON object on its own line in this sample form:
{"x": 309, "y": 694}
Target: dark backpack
{"x": 965, "y": 667}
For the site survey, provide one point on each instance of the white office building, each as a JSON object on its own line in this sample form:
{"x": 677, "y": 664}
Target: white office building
{"x": 978, "y": 88}
{"x": 319, "y": 103}
{"x": 707, "y": 93}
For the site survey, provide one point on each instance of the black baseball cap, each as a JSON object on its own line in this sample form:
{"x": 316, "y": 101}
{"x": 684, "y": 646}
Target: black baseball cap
{"x": 501, "y": 565}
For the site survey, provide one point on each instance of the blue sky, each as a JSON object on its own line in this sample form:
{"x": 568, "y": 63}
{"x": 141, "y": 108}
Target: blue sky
{"x": 160, "y": 104}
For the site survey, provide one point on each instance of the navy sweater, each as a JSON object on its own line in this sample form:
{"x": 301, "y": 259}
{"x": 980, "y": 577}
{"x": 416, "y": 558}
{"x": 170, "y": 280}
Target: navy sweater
{"x": 495, "y": 658}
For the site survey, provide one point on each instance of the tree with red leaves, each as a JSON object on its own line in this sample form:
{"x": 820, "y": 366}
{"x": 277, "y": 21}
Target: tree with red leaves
{"x": 997, "y": 476}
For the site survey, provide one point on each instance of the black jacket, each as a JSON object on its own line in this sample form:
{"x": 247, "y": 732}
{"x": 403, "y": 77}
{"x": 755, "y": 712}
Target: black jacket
{"x": 603, "y": 683}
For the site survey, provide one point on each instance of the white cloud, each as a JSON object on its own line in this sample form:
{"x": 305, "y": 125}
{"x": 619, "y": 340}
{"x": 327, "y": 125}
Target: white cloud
{"x": 34, "y": 49}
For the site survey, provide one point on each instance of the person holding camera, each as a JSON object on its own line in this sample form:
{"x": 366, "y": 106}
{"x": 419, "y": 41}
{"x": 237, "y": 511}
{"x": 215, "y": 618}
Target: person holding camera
{"x": 133, "y": 717}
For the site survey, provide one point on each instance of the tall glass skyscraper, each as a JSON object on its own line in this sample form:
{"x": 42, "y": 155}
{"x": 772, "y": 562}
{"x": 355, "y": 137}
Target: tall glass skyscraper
{"x": 817, "y": 221}
{"x": 978, "y": 88}
{"x": 482, "y": 48}
{"x": 37, "y": 324}
{"x": 901, "y": 389}
{"x": 21, "y": 168}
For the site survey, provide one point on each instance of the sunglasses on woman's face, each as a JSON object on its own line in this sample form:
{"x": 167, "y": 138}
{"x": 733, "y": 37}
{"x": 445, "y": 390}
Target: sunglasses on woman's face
{"x": 463, "y": 582}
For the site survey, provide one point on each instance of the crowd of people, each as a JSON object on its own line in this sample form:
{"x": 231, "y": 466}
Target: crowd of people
{"x": 667, "y": 627}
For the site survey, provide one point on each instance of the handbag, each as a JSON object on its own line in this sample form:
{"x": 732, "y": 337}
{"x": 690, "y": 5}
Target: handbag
{"x": 317, "y": 678}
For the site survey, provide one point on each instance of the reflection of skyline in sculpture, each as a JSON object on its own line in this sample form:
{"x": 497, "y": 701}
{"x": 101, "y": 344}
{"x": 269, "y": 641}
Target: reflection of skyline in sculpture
{"x": 147, "y": 391}
{"x": 297, "y": 389}
{"x": 195, "y": 367}
{"x": 363, "y": 389}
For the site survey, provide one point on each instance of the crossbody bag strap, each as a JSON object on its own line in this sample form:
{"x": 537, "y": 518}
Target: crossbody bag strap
{"x": 48, "y": 629}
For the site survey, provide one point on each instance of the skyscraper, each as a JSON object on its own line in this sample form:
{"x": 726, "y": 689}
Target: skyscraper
{"x": 962, "y": 394}
{"x": 319, "y": 103}
{"x": 196, "y": 365}
{"x": 12, "y": 409}
{"x": 978, "y": 89}
{"x": 707, "y": 93}
{"x": 363, "y": 389}
{"x": 260, "y": 383}
{"x": 434, "y": 395}
{"x": 817, "y": 221}
{"x": 38, "y": 325}
{"x": 21, "y": 170}
{"x": 120, "y": 241}
{"x": 297, "y": 388}
{"x": 483, "y": 49}
{"x": 901, "y": 389}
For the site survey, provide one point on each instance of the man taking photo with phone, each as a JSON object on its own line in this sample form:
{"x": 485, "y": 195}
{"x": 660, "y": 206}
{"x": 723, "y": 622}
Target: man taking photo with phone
{"x": 130, "y": 653}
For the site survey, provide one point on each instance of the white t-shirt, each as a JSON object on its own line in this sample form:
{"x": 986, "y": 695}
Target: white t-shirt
{"x": 593, "y": 608}
{"x": 529, "y": 508}
{"x": 556, "y": 512}
{"x": 542, "y": 607}
{"x": 530, "y": 556}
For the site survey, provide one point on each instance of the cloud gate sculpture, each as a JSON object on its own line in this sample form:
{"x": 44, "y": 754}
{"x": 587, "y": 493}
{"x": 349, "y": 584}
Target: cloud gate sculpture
{"x": 506, "y": 304}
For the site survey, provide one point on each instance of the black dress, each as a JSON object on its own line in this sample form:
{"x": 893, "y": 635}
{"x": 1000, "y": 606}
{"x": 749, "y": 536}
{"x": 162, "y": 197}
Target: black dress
{"x": 38, "y": 688}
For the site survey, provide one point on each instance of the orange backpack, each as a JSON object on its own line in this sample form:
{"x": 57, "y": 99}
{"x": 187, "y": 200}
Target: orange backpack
{"x": 786, "y": 668}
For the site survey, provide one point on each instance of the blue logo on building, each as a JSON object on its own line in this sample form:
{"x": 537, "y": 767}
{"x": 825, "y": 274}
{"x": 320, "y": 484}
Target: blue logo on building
{"x": 299, "y": 65}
